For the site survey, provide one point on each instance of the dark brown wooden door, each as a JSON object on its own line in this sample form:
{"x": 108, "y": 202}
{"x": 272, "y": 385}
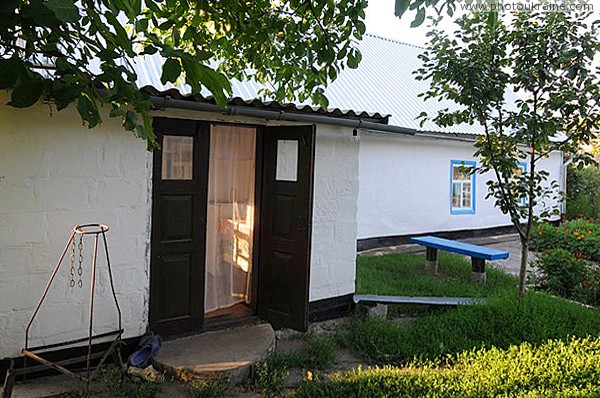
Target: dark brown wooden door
{"x": 178, "y": 227}
{"x": 286, "y": 225}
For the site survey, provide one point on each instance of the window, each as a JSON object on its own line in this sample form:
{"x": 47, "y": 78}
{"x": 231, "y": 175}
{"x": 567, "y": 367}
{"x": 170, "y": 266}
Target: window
{"x": 521, "y": 169}
{"x": 177, "y": 157}
{"x": 462, "y": 187}
{"x": 287, "y": 161}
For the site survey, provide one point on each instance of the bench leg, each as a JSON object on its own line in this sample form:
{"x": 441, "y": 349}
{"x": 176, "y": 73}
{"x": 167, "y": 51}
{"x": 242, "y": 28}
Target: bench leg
{"x": 431, "y": 264}
{"x": 478, "y": 274}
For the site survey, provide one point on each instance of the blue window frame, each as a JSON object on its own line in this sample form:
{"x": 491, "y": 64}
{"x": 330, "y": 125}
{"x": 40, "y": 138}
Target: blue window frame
{"x": 522, "y": 169}
{"x": 462, "y": 187}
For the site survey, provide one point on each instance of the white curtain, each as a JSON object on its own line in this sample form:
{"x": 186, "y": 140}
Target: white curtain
{"x": 230, "y": 221}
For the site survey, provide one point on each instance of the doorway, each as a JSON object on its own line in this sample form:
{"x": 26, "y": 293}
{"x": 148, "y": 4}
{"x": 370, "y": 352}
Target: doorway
{"x": 230, "y": 228}
{"x": 231, "y": 225}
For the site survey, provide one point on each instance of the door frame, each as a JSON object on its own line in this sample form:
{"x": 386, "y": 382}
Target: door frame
{"x": 202, "y": 162}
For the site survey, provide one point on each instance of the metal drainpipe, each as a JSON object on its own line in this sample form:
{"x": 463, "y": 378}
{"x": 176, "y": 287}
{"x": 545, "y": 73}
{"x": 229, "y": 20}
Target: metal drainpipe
{"x": 232, "y": 110}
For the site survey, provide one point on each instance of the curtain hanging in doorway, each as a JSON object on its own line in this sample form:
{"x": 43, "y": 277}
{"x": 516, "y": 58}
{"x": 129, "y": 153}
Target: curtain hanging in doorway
{"x": 230, "y": 221}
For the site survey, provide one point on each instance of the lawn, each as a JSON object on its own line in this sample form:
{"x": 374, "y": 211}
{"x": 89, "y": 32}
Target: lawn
{"x": 405, "y": 275}
{"x": 538, "y": 347}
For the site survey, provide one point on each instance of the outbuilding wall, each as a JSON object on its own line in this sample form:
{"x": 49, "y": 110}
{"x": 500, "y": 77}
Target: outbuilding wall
{"x": 405, "y": 187}
{"x": 55, "y": 173}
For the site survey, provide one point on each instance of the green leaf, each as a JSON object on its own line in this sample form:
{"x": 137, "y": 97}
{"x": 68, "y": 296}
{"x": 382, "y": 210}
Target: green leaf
{"x": 65, "y": 10}
{"x": 419, "y": 18}
{"x": 197, "y": 75}
{"x": 88, "y": 111}
{"x": 37, "y": 12}
{"x": 493, "y": 19}
{"x": 401, "y": 7}
{"x": 171, "y": 71}
{"x": 354, "y": 58}
{"x": 27, "y": 93}
{"x": 8, "y": 7}
{"x": 10, "y": 71}
{"x": 130, "y": 120}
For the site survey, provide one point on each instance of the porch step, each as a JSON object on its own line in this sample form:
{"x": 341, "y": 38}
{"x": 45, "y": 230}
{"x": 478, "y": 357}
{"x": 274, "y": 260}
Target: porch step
{"x": 226, "y": 353}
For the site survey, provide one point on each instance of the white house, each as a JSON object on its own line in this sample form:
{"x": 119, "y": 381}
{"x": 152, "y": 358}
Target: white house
{"x": 253, "y": 210}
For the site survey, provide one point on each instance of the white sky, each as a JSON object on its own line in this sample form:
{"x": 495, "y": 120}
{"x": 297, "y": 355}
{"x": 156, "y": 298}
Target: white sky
{"x": 380, "y": 20}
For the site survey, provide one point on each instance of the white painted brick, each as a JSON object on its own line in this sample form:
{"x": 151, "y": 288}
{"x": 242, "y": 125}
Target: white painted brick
{"x": 335, "y": 194}
{"x": 17, "y": 195}
{"x": 16, "y": 229}
{"x": 62, "y": 193}
{"x": 405, "y": 187}
{"x": 55, "y": 173}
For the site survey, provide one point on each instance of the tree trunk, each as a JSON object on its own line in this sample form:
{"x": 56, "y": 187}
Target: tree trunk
{"x": 523, "y": 270}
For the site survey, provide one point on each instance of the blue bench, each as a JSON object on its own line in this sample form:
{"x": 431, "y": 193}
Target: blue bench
{"x": 478, "y": 254}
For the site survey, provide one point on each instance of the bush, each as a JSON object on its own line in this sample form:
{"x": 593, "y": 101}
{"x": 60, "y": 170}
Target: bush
{"x": 500, "y": 322}
{"x": 563, "y": 274}
{"x": 553, "y": 369}
{"x": 580, "y": 237}
{"x": 583, "y": 192}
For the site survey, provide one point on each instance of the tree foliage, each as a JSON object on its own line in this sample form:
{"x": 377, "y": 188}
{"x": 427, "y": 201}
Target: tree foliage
{"x": 83, "y": 52}
{"x": 547, "y": 59}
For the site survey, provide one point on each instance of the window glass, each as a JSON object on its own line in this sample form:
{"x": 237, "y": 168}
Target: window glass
{"x": 519, "y": 171}
{"x": 462, "y": 186}
{"x": 287, "y": 160}
{"x": 177, "y": 157}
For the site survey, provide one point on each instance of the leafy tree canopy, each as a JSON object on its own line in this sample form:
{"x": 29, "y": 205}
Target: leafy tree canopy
{"x": 81, "y": 52}
{"x": 547, "y": 58}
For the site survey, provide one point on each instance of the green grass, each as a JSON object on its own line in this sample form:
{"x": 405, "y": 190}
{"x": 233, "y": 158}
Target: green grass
{"x": 553, "y": 369}
{"x": 501, "y": 322}
{"x": 405, "y": 275}
{"x": 542, "y": 346}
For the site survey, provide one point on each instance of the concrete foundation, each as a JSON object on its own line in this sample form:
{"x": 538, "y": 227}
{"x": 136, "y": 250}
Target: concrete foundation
{"x": 478, "y": 277}
{"x": 431, "y": 266}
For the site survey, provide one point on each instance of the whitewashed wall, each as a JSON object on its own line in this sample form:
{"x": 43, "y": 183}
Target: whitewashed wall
{"x": 405, "y": 187}
{"x": 55, "y": 173}
{"x": 334, "y": 231}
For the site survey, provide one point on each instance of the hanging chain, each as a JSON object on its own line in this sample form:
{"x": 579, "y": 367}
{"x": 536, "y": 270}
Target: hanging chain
{"x": 72, "y": 281}
{"x": 80, "y": 270}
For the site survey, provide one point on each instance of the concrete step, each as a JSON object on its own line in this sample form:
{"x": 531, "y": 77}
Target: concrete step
{"x": 227, "y": 354}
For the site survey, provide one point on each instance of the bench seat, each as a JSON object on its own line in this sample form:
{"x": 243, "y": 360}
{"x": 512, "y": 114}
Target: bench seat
{"x": 478, "y": 254}
{"x": 466, "y": 249}
{"x": 434, "y": 301}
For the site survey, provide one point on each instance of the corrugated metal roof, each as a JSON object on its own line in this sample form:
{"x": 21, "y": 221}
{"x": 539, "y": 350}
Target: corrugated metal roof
{"x": 175, "y": 93}
{"x": 383, "y": 84}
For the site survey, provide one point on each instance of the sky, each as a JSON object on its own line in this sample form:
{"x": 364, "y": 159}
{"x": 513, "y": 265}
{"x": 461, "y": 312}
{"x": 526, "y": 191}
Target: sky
{"x": 380, "y": 20}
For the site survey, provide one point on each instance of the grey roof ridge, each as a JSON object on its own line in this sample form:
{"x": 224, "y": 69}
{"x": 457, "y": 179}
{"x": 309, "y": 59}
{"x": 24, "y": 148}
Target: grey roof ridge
{"x": 377, "y": 36}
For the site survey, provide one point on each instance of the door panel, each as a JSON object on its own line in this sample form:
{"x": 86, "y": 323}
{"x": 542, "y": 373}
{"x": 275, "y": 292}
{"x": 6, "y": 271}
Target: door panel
{"x": 178, "y": 227}
{"x": 285, "y": 232}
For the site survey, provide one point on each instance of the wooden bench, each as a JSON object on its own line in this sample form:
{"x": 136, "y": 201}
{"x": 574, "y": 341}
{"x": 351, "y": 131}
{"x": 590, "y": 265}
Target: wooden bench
{"x": 432, "y": 301}
{"x": 478, "y": 254}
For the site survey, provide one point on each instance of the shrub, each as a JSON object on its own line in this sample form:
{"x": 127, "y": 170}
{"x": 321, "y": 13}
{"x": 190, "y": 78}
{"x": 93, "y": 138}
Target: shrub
{"x": 501, "y": 322}
{"x": 581, "y": 237}
{"x": 583, "y": 192}
{"x": 562, "y": 274}
{"x": 553, "y": 369}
